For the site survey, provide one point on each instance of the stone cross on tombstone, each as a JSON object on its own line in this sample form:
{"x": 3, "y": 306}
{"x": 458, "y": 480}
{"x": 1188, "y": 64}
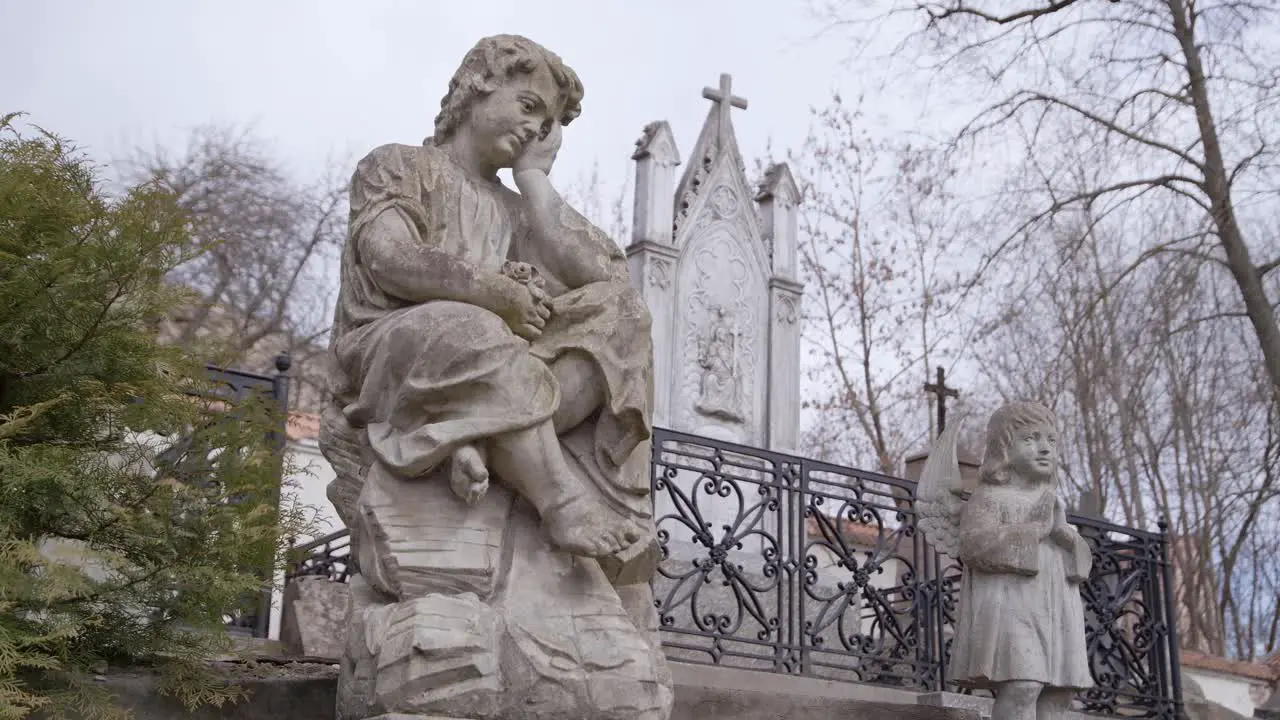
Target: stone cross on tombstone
{"x": 1090, "y": 505}
{"x": 724, "y": 98}
{"x": 943, "y": 392}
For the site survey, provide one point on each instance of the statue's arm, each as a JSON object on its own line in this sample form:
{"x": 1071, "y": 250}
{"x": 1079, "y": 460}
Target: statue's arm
{"x": 416, "y": 272}
{"x": 1079, "y": 553}
{"x": 1062, "y": 534}
{"x": 570, "y": 246}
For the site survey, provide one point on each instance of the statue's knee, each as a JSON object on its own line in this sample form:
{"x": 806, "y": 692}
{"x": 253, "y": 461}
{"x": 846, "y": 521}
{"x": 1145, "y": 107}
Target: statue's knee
{"x": 1020, "y": 692}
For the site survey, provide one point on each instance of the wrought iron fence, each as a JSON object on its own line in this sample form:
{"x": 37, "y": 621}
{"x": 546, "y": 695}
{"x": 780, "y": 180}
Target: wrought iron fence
{"x": 325, "y": 557}
{"x": 253, "y": 617}
{"x": 781, "y": 563}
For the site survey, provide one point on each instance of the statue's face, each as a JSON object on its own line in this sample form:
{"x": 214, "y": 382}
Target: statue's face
{"x": 1034, "y": 451}
{"x": 518, "y": 112}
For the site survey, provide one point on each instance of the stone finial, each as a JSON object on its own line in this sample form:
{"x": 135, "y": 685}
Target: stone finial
{"x": 779, "y": 197}
{"x": 656, "y": 157}
{"x": 657, "y": 141}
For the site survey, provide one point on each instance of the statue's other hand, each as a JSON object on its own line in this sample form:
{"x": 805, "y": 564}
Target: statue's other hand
{"x": 523, "y": 311}
{"x": 540, "y": 153}
{"x": 541, "y": 297}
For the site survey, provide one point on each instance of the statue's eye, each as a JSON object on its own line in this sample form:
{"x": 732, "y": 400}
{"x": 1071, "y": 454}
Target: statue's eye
{"x": 527, "y": 105}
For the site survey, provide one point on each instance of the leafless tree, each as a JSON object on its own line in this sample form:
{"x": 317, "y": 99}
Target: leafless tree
{"x": 1181, "y": 95}
{"x": 1134, "y": 143}
{"x": 267, "y": 247}
{"x": 1164, "y": 414}
{"x": 608, "y": 210}
{"x": 877, "y": 224}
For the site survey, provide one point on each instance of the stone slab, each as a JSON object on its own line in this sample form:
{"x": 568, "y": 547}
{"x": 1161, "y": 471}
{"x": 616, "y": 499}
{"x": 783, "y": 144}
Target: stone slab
{"x": 979, "y": 704}
{"x": 313, "y": 621}
{"x": 714, "y": 693}
{"x": 702, "y": 693}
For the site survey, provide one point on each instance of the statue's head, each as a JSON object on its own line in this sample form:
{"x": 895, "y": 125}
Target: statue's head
{"x": 507, "y": 91}
{"x": 1022, "y": 438}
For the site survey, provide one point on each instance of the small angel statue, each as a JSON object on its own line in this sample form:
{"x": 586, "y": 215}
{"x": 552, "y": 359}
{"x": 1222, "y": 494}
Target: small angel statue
{"x": 1020, "y": 621}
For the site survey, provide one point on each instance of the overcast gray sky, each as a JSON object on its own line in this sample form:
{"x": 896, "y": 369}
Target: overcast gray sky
{"x": 319, "y": 77}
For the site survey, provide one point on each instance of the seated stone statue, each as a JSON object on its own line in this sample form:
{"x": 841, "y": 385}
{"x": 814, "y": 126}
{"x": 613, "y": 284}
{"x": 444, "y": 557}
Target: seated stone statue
{"x": 483, "y": 334}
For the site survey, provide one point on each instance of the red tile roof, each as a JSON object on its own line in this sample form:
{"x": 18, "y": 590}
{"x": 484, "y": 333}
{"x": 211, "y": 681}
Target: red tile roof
{"x": 859, "y": 534}
{"x": 1268, "y": 670}
{"x": 303, "y": 426}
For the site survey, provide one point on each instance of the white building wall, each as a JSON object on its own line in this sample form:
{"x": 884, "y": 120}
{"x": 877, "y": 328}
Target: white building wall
{"x": 306, "y": 487}
{"x": 1239, "y": 693}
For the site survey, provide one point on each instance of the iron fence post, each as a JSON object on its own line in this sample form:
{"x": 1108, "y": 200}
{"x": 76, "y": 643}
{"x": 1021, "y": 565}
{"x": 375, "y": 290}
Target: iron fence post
{"x": 278, "y": 439}
{"x": 1173, "y": 685}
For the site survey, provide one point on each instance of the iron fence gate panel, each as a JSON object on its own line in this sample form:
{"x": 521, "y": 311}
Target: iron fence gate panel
{"x": 785, "y": 564}
{"x": 722, "y": 516}
{"x": 1128, "y": 606}
{"x": 236, "y": 388}
{"x": 770, "y": 578}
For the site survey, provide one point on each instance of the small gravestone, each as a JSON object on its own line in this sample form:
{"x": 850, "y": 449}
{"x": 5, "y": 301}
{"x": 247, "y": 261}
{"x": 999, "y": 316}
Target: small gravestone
{"x": 313, "y": 622}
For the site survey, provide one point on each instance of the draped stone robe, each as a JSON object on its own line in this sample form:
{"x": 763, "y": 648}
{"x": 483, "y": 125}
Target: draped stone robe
{"x": 470, "y": 612}
{"x": 448, "y": 373}
{"x": 1020, "y": 615}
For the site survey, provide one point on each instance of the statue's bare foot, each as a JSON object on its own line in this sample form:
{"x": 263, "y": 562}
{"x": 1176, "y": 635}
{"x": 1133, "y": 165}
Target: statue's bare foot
{"x": 468, "y": 477}
{"x": 585, "y": 527}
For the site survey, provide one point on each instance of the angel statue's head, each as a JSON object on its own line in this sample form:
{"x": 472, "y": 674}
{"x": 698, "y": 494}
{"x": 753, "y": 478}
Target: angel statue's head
{"x": 507, "y": 91}
{"x": 1022, "y": 440}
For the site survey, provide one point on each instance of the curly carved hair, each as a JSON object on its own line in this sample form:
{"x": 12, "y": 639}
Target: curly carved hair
{"x": 1001, "y": 429}
{"x": 488, "y": 64}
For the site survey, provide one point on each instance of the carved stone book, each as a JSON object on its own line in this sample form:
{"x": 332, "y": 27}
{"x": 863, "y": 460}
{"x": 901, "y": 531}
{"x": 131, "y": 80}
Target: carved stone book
{"x": 1007, "y": 549}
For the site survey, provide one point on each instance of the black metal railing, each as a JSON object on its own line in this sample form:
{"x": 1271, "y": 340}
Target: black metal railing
{"x": 235, "y": 387}
{"x": 325, "y": 557}
{"x": 781, "y": 563}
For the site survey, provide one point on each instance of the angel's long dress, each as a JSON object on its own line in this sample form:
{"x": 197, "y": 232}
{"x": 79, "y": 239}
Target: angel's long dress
{"x": 1019, "y": 627}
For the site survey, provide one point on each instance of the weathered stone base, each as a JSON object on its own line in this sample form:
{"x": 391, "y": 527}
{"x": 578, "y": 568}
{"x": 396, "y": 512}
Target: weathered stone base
{"x": 977, "y": 704}
{"x": 701, "y": 693}
{"x": 469, "y": 613}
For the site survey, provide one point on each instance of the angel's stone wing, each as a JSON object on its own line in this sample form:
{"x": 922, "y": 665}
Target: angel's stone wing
{"x": 938, "y": 502}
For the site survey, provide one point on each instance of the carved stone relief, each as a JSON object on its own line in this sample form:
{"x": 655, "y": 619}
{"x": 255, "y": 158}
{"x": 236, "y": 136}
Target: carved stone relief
{"x": 787, "y": 312}
{"x": 720, "y": 387}
{"x": 722, "y": 339}
{"x": 724, "y": 201}
{"x": 660, "y": 273}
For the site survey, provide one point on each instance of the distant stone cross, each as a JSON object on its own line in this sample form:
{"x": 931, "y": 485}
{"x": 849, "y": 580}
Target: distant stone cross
{"x": 943, "y": 392}
{"x": 725, "y": 98}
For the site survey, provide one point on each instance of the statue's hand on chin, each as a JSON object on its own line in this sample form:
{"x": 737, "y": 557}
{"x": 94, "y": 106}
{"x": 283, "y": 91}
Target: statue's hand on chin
{"x": 540, "y": 154}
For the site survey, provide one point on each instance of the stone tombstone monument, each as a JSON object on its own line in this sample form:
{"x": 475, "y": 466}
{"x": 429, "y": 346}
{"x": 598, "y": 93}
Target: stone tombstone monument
{"x": 715, "y": 261}
{"x": 490, "y": 422}
{"x": 1020, "y": 625}
{"x": 714, "y": 258}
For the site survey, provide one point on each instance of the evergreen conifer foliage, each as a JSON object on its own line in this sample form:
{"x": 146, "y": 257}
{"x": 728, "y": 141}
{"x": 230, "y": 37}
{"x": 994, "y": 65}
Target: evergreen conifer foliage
{"x": 138, "y": 505}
